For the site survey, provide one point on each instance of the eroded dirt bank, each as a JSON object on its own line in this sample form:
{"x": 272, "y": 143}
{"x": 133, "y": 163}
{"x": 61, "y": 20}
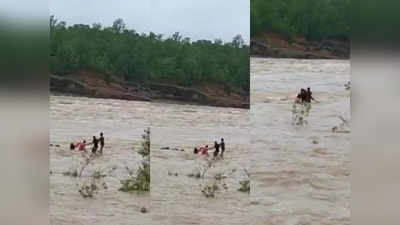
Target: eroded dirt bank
{"x": 274, "y": 45}
{"x": 92, "y": 84}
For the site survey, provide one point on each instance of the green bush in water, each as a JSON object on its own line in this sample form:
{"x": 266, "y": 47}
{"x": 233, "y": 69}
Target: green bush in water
{"x": 140, "y": 183}
{"x": 244, "y": 186}
{"x": 210, "y": 190}
{"x": 89, "y": 190}
{"x": 145, "y": 150}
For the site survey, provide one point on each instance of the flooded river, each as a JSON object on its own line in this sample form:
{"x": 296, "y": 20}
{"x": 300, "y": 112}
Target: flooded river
{"x": 300, "y": 174}
{"x": 173, "y": 199}
{"x": 177, "y": 198}
{"x": 77, "y": 118}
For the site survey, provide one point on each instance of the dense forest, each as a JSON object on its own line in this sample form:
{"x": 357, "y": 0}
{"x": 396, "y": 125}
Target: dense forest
{"x": 123, "y": 52}
{"x": 313, "y": 19}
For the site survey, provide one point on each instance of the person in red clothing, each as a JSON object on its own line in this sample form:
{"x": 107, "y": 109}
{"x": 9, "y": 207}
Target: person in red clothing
{"x": 204, "y": 150}
{"x": 81, "y": 146}
{"x": 201, "y": 149}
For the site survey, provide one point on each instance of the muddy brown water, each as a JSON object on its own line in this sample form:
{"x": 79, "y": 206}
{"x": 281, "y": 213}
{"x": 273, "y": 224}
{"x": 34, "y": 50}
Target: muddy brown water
{"x": 75, "y": 118}
{"x": 178, "y": 199}
{"x": 300, "y": 174}
{"x": 172, "y": 199}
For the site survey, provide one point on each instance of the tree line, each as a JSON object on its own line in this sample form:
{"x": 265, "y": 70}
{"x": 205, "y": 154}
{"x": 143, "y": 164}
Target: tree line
{"x": 313, "y": 19}
{"x": 119, "y": 51}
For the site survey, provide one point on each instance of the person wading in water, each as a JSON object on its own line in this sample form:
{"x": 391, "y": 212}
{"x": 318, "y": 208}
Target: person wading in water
{"x": 222, "y": 145}
{"x": 301, "y": 107}
{"x": 307, "y": 100}
{"x": 95, "y": 143}
{"x": 309, "y": 96}
{"x": 216, "y": 146}
{"x": 101, "y": 142}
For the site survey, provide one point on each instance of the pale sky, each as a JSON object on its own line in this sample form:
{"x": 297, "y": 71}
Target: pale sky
{"x": 197, "y": 19}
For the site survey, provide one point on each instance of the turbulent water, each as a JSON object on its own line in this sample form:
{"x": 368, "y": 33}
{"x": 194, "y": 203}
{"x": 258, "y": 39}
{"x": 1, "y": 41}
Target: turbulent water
{"x": 300, "y": 174}
{"x": 173, "y": 199}
{"x": 76, "y": 118}
{"x": 178, "y": 199}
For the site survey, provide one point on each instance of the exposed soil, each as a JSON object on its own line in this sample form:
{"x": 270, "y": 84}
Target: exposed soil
{"x": 278, "y": 46}
{"x": 92, "y": 84}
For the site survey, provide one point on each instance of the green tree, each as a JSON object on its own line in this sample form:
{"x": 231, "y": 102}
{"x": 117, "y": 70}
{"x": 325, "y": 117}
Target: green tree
{"x": 118, "y": 25}
{"x": 117, "y": 51}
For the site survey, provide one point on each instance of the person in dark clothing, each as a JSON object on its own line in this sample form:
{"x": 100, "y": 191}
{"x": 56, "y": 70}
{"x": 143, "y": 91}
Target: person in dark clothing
{"x": 95, "y": 143}
{"x": 71, "y": 146}
{"x": 195, "y": 151}
{"x": 222, "y": 145}
{"x": 303, "y": 95}
{"x": 216, "y": 146}
{"x": 101, "y": 139}
{"x": 300, "y": 98}
{"x": 309, "y": 96}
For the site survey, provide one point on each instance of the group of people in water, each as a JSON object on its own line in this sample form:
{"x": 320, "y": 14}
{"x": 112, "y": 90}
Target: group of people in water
{"x": 203, "y": 150}
{"x": 81, "y": 146}
{"x": 302, "y": 106}
{"x": 305, "y": 96}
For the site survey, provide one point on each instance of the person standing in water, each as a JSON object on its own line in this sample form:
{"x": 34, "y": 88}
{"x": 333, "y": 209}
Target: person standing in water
{"x": 101, "y": 142}
{"x": 307, "y": 100}
{"x": 222, "y": 144}
{"x": 303, "y": 95}
{"x": 216, "y": 146}
{"x": 309, "y": 96}
{"x": 95, "y": 143}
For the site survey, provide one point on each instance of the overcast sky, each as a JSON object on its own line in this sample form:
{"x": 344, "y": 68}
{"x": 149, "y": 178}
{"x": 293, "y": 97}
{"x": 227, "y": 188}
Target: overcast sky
{"x": 197, "y": 19}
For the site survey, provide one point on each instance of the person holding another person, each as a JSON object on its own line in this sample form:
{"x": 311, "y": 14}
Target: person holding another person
{"x": 309, "y": 96}
{"x": 203, "y": 150}
{"x": 81, "y": 146}
{"x": 307, "y": 100}
{"x": 216, "y": 146}
{"x": 95, "y": 143}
